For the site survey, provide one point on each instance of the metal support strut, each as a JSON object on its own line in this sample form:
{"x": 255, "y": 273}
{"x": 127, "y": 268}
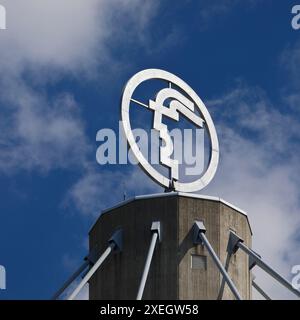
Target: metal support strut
{"x": 115, "y": 244}
{"x": 156, "y": 234}
{"x": 200, "y": 238}
{"x": 235, "y": 242}
{"x": 71, "y": 279}
{"x": 260, "y": 290}
{"x": 88, "y": 260}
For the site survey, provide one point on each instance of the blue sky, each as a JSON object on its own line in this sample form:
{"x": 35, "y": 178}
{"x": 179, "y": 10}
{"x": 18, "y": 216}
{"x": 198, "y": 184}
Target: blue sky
{"x": 62, "y": 70}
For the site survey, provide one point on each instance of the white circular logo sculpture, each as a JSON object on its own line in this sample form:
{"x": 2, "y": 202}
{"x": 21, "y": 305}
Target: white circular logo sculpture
{"x": 175, "y": 102}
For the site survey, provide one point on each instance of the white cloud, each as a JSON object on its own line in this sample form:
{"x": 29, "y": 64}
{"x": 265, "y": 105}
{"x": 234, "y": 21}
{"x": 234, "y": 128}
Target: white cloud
{"x": 211, "y": 10}
{"x": 290, "y": 61}
{"x": 98, "y": 190}
{"x": 71, "y": 35}
{"x": 51, "y": 33}
{"x": 38, "y": 132}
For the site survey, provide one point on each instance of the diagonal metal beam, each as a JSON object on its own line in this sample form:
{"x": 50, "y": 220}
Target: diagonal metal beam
{"x": 199, "y": 237}
{"x": 88, "y": 261}
{"x": 74, "y": 276}
{"x": 260, "y": 290}
{"x": 156, "y": 235}
{"x": 115, "y": 244}
{"x": 256, "y": 258}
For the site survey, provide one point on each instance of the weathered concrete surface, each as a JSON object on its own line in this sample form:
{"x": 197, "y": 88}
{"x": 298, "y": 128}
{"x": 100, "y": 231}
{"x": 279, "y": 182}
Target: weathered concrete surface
{"x": 171, "y": 275}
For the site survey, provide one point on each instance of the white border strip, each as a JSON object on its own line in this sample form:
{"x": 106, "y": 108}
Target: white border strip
{"x": 171, "y": 194}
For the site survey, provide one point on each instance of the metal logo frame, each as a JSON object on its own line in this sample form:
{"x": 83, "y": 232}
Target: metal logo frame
{"x": 157, "y": 74}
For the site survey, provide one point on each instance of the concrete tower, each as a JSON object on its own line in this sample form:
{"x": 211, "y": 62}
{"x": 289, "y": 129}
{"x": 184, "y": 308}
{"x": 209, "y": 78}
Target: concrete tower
{"x": 179, "y": 268}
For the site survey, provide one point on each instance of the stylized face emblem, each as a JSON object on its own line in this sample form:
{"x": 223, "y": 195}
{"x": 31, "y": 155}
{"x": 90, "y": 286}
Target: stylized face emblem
{"x": 170, "y": 102}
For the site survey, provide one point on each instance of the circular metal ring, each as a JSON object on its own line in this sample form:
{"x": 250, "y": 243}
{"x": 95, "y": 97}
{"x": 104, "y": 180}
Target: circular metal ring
{"x": 130, "y": 87}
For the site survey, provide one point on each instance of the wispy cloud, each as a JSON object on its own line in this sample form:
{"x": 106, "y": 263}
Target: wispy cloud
{"x": 39, "y": 132}
{"x": 211, "y": 10}
{"x": 290, "y": 61}
{"x": 71, "y": 37}
{"x": 99, "y": 189}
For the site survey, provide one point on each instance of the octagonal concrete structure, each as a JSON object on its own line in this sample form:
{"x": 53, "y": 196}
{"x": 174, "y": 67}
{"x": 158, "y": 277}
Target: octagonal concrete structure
{"x": 179, "y": 269}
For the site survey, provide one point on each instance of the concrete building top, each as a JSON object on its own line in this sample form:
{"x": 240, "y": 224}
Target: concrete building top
{"x": 172, "y": 194}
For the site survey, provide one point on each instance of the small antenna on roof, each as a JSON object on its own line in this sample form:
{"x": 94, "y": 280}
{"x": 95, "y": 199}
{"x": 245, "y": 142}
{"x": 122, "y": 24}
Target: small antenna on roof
{"x": 171, "y": 187}
{"x": 124, "y": 192}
